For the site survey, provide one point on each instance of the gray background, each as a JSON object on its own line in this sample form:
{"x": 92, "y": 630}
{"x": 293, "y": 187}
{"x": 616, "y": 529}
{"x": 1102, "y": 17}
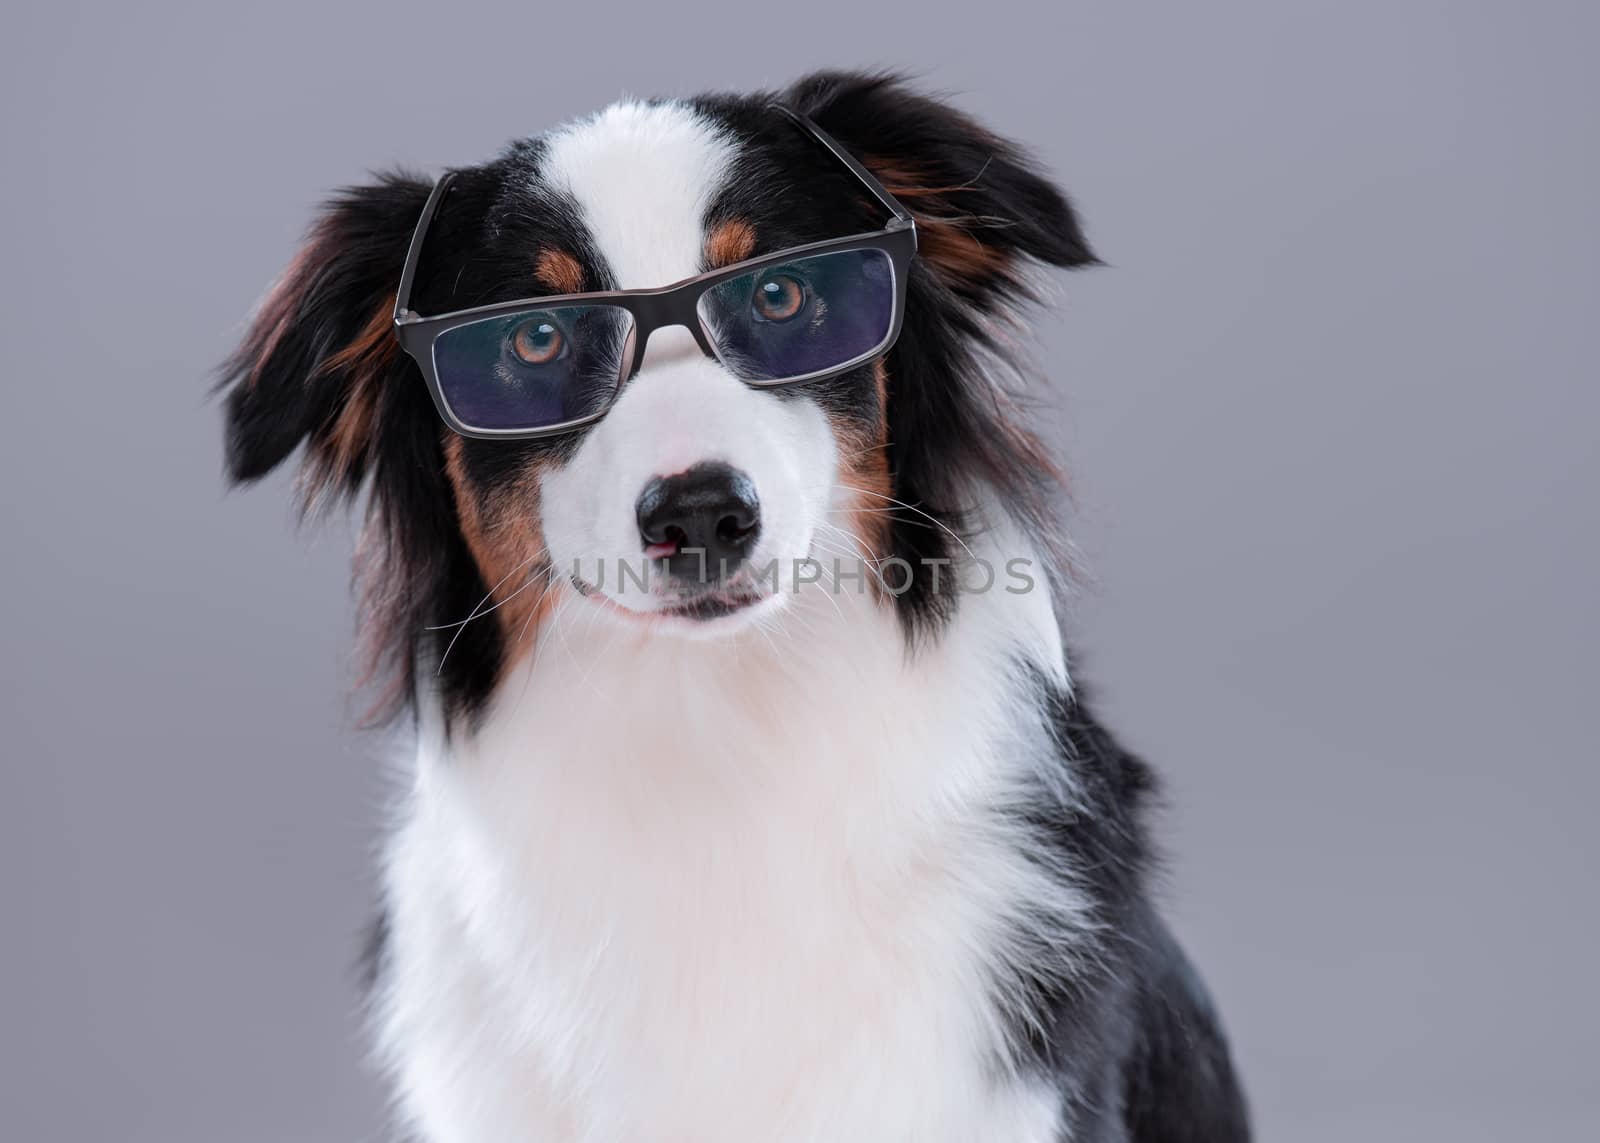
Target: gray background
{"x": 1331, "y": 414}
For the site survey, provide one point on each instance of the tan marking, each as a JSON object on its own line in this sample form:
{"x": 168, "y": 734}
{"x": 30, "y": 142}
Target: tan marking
{"x": 949, "y": 248}
{"x": 373, "y": 348}
{"x": 909, "y": 181}
{"x": 560, "y": 270}
{"x": 355, "y": 426}
{"x": 732, "y": 240}
{"x": 864, "y": 455}
{"x": 944, "y": 238}
{"x": 504, "y": 535}
{"x": 366, "y": 362}
{"x": 337, "y": 450}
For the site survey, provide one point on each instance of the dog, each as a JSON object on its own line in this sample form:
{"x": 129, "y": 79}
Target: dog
{"x": 712, "y": 565}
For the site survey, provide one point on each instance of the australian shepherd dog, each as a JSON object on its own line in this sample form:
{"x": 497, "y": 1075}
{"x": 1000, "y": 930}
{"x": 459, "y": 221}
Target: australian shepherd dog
{"x": 711, "y": 570}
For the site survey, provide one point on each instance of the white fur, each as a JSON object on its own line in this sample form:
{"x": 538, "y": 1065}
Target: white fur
{"x": 643, "y": 176}
{"x": 757, "y": 888}
{"x": 675, "y": 414}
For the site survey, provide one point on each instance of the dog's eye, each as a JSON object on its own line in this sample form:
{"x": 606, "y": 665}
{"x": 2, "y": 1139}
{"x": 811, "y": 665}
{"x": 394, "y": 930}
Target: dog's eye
{"x": 538, "y": 341}
{"x": 778, "y": 297}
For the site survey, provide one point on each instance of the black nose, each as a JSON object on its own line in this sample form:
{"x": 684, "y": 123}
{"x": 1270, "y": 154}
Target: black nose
{"x": 709, "y": 517}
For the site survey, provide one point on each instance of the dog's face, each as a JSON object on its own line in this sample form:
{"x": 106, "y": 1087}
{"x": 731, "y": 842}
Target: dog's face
{"x": 693, "y": 500}
{"x": 693, "y": 504}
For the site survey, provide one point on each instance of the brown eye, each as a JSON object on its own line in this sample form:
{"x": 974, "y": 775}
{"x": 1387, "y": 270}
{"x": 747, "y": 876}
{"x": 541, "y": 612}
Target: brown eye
{"x": 538, "y": 341}
{"x": 778, "y": 297}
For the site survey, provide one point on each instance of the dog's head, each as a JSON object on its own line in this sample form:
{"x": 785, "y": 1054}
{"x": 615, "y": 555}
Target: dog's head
{"x": 690, "y": 504}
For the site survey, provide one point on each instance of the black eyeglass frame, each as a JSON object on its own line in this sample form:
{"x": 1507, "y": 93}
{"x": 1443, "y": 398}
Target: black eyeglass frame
{"x": 657, "y": 307}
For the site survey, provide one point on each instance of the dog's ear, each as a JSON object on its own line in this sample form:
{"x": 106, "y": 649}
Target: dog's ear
{"x": 981, "y": 206}
{"x": 321, "y": 349}
{"x": 984, "y": 213}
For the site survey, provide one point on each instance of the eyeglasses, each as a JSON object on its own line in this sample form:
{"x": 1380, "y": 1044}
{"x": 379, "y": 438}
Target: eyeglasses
{"x": 543, "y": 366}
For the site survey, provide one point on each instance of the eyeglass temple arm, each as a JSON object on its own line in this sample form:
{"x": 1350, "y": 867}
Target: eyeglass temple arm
{"x": 864, "y": 176}
{"x": 402, "y": 297}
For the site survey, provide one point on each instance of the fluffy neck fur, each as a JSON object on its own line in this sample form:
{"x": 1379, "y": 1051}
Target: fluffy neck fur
{"x": 755, "y": 888}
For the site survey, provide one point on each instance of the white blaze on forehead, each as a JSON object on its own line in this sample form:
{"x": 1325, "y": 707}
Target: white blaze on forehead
{"x": 643, "y": 175}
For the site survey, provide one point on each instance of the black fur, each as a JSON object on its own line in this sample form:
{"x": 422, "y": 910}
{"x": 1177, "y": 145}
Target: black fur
{"x": 1132, "y": 1042}
{"x": 1130, "y": 1038}
{"x": 951, "y": 427}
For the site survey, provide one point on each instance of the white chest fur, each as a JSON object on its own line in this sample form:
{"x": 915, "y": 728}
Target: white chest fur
{"x": 690, "y": 892}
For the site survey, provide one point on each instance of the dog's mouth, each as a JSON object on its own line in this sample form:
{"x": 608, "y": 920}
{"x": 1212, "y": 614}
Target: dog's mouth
{"x": 696, "y": 604}
{"x": 713, "y": 605}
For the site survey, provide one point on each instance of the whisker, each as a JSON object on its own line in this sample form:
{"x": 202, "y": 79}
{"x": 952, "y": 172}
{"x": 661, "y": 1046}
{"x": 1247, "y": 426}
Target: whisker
{"x": 855, "y": 542}
{"x": 913, "y": 508}
{"x": 847, "y": 555}
{"x": 532, "y": 579}
{"x": 479, "y": 610}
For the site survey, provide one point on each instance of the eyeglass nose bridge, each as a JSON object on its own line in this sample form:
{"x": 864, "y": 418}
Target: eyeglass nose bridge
{"x": 653, "y": 312}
